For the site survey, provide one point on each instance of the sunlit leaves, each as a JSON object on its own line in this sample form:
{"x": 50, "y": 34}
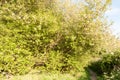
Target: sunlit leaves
{"x": 53, "y": 28}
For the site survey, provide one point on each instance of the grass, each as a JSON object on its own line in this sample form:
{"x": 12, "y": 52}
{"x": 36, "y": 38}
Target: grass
{"x": 43, "y": 77}
{"x": 50, "y": 76}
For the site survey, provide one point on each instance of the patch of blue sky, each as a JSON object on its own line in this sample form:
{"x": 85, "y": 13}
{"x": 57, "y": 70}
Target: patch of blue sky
{"x": 114, "y": 15}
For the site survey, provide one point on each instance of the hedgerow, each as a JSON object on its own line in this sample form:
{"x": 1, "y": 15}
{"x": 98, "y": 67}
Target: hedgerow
{"x": 42, "y": 34}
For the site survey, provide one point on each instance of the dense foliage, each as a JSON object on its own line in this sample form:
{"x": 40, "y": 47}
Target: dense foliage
{"x": 51, "y": 35}
{"x": 108, "y": 67}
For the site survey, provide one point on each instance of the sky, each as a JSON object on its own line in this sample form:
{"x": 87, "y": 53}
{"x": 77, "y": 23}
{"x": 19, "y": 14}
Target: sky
{"x": 114, "y": 15}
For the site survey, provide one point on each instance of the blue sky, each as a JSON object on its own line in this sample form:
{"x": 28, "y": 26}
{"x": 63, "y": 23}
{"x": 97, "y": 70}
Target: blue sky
{"x": 114, "y": 15}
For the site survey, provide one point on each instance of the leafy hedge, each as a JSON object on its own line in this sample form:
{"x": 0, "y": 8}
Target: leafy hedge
{"x": 108, "y": 66}
{"x": 35, "y": 34}
{"x": 14, "y": 60}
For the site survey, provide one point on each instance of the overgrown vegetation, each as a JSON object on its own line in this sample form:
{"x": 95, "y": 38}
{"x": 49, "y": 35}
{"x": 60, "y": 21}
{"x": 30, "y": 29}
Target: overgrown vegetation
{"x": 108, "y": 67}
{"x": 53, "y": 35}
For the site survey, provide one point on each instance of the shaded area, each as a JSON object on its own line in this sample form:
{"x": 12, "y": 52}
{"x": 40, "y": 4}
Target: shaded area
{"x": 108, "y": 67}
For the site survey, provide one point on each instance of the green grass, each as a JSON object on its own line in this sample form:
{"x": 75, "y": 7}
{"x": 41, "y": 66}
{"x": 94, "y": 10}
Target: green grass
{"x": 43, "y": 77}
{"x": 50, "y": 76}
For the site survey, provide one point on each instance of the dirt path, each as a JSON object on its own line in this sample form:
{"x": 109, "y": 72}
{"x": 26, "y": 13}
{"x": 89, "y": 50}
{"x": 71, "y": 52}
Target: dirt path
{"x": 93, "y": 75}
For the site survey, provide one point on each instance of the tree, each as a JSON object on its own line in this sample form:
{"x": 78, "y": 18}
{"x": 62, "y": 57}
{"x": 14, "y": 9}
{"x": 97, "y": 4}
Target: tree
{"x": 42, "y": 29}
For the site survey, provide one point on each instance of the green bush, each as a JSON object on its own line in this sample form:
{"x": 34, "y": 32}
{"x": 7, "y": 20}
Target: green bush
{"x": 15, "y": 61}
{"x": 24, "y": 36}
{"x": 107, "y": 65}
{"x": 34, "y": 30}
{"x": 56, "y": 61}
